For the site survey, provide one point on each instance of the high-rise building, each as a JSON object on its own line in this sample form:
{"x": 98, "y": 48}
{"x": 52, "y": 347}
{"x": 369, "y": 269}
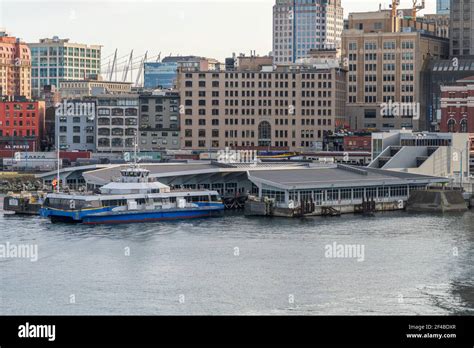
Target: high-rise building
{"x": 301, "y": 25}
{"x": 384, "y": 86}
{"x": 259, "y": 106}
{"x": 57, "y": 59}
{"x": 15, "y": 67}
{"x": 442, "y": 7}
{"x": 462, "y": 28}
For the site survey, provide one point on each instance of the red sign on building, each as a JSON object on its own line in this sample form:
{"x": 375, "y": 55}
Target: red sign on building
{"x": 357, "y": 143}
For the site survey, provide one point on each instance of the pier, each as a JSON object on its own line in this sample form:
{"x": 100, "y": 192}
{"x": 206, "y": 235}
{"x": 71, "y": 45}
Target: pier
{"x": 333, "y": 190}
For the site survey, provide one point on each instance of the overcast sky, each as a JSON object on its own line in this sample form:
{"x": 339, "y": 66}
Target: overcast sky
{"x": 207, "y": 28}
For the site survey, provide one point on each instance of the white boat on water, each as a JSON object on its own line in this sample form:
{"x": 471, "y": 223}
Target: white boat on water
{"x": 135, "y": 198}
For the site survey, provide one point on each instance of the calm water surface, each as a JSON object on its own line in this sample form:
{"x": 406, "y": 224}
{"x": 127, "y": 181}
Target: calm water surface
{"x": 413, "y": 264}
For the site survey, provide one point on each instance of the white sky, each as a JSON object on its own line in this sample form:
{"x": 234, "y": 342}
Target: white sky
{"x": 212, "y": 28}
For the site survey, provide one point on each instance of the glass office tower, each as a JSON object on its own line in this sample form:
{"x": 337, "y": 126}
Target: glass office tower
{"x": 302, "y": 25}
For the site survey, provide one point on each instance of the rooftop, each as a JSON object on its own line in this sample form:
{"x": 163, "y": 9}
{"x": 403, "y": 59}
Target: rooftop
{"x": 280, "y": 175}
{"x": 337, "y": 176}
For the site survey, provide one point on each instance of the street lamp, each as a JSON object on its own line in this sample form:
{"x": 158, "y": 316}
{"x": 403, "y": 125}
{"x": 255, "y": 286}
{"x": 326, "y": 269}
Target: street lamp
{"x": 12, "y": 147}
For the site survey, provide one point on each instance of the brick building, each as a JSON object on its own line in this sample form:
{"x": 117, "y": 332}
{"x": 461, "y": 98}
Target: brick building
{"x": 21, "y": 124}
{"x": 457, "y": 107}
{"x": 15, "y": 67}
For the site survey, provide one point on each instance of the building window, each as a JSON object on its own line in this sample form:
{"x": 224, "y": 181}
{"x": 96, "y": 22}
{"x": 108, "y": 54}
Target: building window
{"x": 463, "y": 126}
{"x": 451, "y": 126}
{"x": 264, "y": 134}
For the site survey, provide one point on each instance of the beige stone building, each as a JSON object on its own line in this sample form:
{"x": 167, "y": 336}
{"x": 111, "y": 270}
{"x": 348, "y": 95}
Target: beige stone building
{"x": 15, "y": 67}
{"x": 72, "y": 89}
{"x": 440, "y": 21}
{"x": 258, "y": 105}
{"x": 384, "y": 87}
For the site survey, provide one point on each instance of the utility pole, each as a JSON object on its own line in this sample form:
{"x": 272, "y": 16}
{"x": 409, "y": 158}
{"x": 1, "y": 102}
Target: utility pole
{"x": 59, "y": 178}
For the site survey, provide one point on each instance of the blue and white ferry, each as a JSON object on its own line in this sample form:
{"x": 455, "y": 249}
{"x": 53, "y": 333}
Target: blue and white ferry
{"x": 135, "y": 198}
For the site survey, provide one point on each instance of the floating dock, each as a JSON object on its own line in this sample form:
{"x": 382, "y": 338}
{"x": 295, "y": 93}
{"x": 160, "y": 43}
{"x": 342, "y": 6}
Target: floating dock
{"x": 24, "y": 203}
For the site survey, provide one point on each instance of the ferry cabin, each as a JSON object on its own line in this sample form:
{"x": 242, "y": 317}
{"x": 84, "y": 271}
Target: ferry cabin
{"x": 131, "y": 202}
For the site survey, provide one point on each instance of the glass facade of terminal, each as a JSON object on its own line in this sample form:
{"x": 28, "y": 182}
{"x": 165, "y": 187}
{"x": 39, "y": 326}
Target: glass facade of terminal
{"x": 332, "y": 197}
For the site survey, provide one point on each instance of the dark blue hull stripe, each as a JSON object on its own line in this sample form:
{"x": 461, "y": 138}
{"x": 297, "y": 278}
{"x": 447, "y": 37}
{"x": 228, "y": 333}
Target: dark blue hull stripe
{"x": 107, "y": 215}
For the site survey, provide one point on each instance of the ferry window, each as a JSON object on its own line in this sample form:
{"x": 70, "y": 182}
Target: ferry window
{"x": 200, "y": 199}
{"x": 215, "y": 198}
{"x": 94, "y": 204}
{"x": 141, "y": 201}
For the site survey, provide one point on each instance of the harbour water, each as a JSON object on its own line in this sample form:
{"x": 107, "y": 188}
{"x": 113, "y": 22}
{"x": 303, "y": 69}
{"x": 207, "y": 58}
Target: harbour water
{"x": 413, "y": 264}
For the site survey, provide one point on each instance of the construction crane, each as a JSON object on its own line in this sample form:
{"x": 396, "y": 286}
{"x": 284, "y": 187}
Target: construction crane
{"x": 417, "y": 8}
{"x": 394, "y": 7}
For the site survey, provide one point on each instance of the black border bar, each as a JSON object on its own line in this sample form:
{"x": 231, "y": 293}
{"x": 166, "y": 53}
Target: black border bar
{"x": 249, "y": 330}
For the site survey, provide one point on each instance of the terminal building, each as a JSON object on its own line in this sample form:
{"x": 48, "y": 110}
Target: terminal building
{"x": 286, "y": 185}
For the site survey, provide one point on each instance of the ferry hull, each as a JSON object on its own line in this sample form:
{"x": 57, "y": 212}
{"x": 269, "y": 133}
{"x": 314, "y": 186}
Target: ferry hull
{"x": 107, "y": 216}
{"x": 149, "y": 217}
